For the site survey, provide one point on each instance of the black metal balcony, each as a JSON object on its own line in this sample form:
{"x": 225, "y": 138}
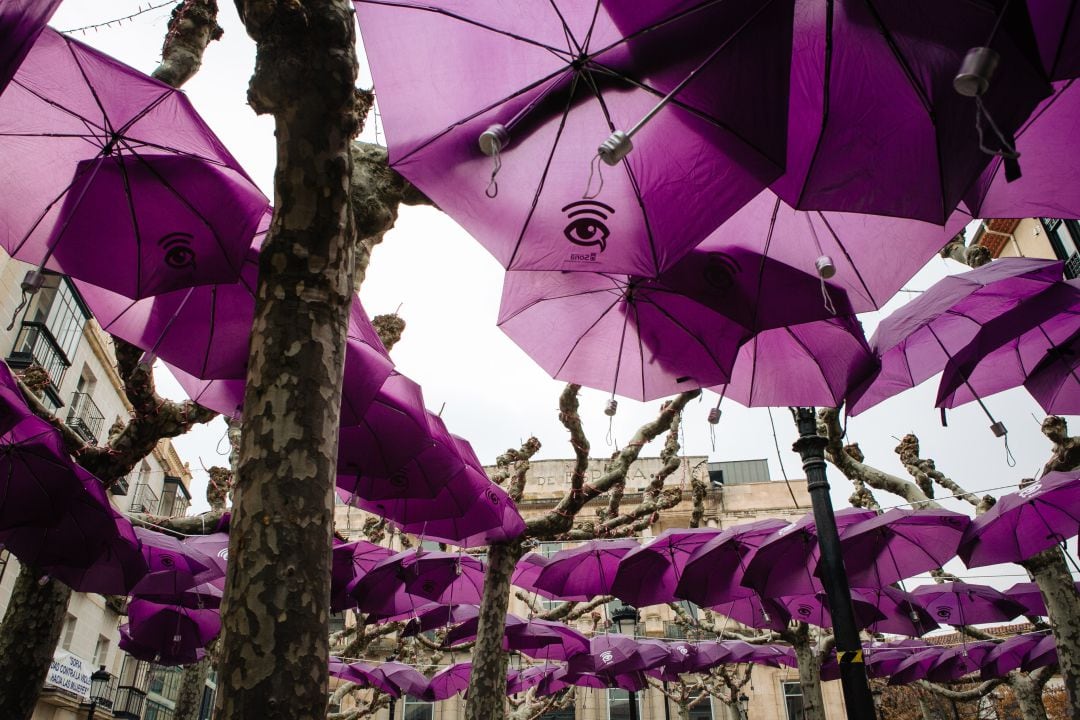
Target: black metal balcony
{"x": 1072, "y": 266}
{"x": 35, "y": 345}
{"x": 85, "y": 418}
{"x": 144, "y": 499}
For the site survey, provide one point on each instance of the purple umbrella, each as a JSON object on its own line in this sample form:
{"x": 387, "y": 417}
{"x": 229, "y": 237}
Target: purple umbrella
{"x": 77, "y": 535}
{"x": 171, "y": 629}
{"x": 1024, "y": 523}
{"x": 118, "y": 165}
{"x": 413, "y": 578}
{"x": 21, "y": 21}
{"x": 958, "y": 603}
{"x": 536, "y": 638}
{"x": 764, "y": 262}
{"x": 899, "y": 544}
{"x": 364, "y": 675}
{"x": 1048, "y": 186}
{"x": 349, "y": 562}
{"x": 167, "y": 554}
{"x": 809, "y": 364}
{"x": 903, "y": 614}
{"x": 1005, "y": 352}
{"x": 708, "y": 654}
{"x": 563, "y": 677}
{"x": 117, "y": 568}
{"x": 755, "y": 611}
{"x": 883, "y": 662}
{"x": 420, "y": 476}
{"x": 1028, "y": 595}
{"x": 37, "y": 478}
{"x": 784, "y": 563}
{"x": 394, "y": 430}
{"x": 406, "y": 679}
{"x": 713, "y": 574}
{"x": 630, "y": 337}
{"x": 585, "y": 571}
{"x": 526, "y": 572}
{"x": 1055, "y": 381}
{"x": 814, "y": 609}
{"x": 648, "y": 575}
{"x": 469, "y": 511}
{"x": 181, "y": 654}
{"x": 432, "y": 616}
{"x": 916, "y": 341}
{"x": 1009, "y": 655}
{"x": 874, "y": 124}
{"x": 566, "y": 76}
{"x": 448, "y": 682}
{"x": 157, "y": 587}
{"x": 214, "y": 548}
{"x": 611, "y": 655}
{"x": 915, "y": 666}
{"x": 529, "y": 677}
{"x": 960, "y": 661}
{"x": 1044, "y": 653}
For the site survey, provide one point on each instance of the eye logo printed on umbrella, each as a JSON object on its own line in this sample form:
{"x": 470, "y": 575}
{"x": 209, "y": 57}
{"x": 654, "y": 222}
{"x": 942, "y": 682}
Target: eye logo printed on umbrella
{"x": 944, "y": 613}
{"x": 719, "y": 272}
{"x": 606, "y": 657}
{"x": 586, "y": 226}
{"x": 492, "y": 497}
{"x": 179, "y": 254}
{"x": 399, "y": 479}
{"x": 805, "y": 610}
{"x": 167, "y": 561}
{"x": 683, "y": 650}
{"x": 1031, "y": 490}
{"x": 428, "y": 587}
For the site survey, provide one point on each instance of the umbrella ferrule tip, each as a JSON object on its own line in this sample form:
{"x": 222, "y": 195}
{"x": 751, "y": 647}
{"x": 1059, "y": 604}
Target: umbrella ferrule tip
{"x": 976, "y": 71}
{"x": 615, "y": 148}
{"x": 494, "y": 140}
{"x": 825, "y": 266}
{"x": 32, "y": 281}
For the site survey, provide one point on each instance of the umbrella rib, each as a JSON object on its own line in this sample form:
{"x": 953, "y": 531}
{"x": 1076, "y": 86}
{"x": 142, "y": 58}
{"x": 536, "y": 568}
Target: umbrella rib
{"x": 89, "y": 86}
{"x": 571, "y": 41}
{"x": 640, "y": 344}
{"x": 826, "y": 94}
{"x": 548, "y": 298}
{"x": 63, "y": 109}
{"x": 130, "y": 197}
{"x": 547, "y": 169}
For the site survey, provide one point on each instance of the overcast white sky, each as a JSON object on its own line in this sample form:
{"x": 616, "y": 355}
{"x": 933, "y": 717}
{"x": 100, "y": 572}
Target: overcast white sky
{"x": 448, "y": 288}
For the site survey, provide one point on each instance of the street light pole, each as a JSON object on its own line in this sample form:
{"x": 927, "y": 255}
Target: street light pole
{"x": 99, "y": 691}
{"x": 811, "y": 448}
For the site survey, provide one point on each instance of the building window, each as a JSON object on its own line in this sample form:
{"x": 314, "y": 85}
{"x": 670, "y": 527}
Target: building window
{"x": 84, "y": 417}
{"x": 793, "y": 700}
{"x": 143, "y": 498}
{"x": 701, "y": 711}
{"x": 51, "y": 329}
{"x": 69, "y": 631}
{"x": 165, "y": 681}
{"x": 207, "y": 707}
{"x": 157, "y": 711}
{"x": 101, "y": 651}
{"x": 1064, "y": 237}
{"x": 618, "y": 703}
{"x": 174, "y": 497}
{"x": 413, "y": 709}
{"x": 547, "y": 550}
{"x": 566, "y": 713}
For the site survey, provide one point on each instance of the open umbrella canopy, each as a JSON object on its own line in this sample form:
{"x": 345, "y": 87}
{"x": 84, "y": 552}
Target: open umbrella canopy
{"x": 406, "y": 679}
{"x": 1007, "y": 349}
{"x": 432, "y": 616}
{"x": 1042, "y": 654}
{"x": 1021, "y": 524}
{"x": 649, "y": 574}
{"x": 755, "y": 611}
{"x": 549, "y": 83}
{"x": 37, "y": 478}
{"x": 1055, "y": 381}
{"x": 21, "y": 21}
{"x": 627, "y": 336}
{"x": 349, "y": 562}
{"x": 959, "y": 603}
{"x": 613, "y": 654}
{"x": 117, "y": 568}
{"x": 960, "y": 660}
{"x": 899, "y": 544}
{"x": 713, "y": 574}
{"x": 914, "y": 667}
{"x": 528, "y": 677}
{"x": 1009, "y": 655}
{"x": 413, "y": 578}
{"x": 915, "y": 342}
{"x": 814, "y": 609}
{"x": 537, "y": 638}
{"x": 159, "y": 588}
{"x": 121, "y": 183}
{"x": 171, "y": 629}
{"x": 874, "y": 122}
{"x": 584, "y": 571}
{"x": 174, "y": 654}
{"x": 448, "y": 682}
{"x": 1048, "y": 186}
{"x": 213, "y": 548}
{"x": 812, "y": 364}
{"x": 527, "y": 570}
{"x": 1056, "y": 24}
{"x": 772, "y": 263}
{"x": 784, "y": 563}
{"x": 903, "y": 615}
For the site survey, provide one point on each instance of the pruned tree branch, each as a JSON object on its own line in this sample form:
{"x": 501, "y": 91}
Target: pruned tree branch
{"x": 192, "y": 27}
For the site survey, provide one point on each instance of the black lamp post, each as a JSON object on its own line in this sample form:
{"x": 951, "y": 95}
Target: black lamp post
{"x": 811, "y": 447}
{"x": 99, "y": 691}
{"x": 744, "y": 706}
{"x": 625, "y": 618}
{"x": 393, "y": 700}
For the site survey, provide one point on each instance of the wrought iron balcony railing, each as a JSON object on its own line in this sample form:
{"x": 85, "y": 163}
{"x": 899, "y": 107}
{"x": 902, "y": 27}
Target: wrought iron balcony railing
{"x": 85, "y": 418}
{"x": 35, "y": 344}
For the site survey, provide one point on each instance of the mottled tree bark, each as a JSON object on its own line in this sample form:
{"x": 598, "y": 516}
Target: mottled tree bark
{"x": 487, "y": 683}
{"x": 1028, "y": 694}
{"x": 809, "y": 673}
{"x": 32, "y": 625}
{"x": 1049, "y": 571}
{"x": 192, "y": 687}
{"x": 275, "y": 639}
